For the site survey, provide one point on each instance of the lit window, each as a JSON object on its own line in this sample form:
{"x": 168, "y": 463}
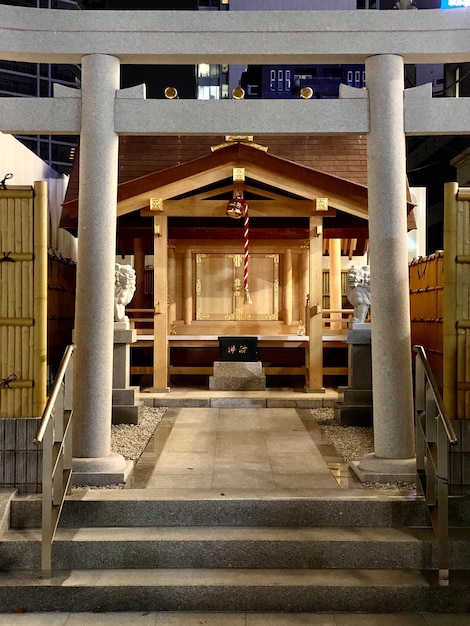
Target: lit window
{"x": 204, "y": 70}
{"x": 272, "y": 80}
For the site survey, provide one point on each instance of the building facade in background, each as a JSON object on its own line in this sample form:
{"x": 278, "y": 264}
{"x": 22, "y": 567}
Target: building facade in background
{"x": 36, "y": 80}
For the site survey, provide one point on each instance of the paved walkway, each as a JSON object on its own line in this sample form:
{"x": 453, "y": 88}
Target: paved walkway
{"x": 262, "y": 450}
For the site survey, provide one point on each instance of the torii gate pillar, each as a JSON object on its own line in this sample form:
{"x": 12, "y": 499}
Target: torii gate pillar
{"x": 94, "y": 318}
{"x": 393, "y": 456}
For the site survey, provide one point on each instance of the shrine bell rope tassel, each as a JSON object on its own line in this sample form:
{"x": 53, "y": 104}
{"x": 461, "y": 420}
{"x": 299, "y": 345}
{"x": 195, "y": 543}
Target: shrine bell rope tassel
{"x": 246, "y": 247}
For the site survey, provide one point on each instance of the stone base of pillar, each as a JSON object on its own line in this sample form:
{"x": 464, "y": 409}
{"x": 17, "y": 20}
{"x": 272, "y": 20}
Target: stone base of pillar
{"x": 373, "y": 469}
{"x": 99, "y": 471}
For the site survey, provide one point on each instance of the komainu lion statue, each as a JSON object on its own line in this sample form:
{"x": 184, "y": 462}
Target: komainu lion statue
{"x": 124, "y": 289}
{"x": 359, "y": 292}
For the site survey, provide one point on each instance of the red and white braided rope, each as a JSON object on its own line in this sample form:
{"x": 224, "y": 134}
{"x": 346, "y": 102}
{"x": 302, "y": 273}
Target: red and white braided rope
{"x": 246, "y": 247}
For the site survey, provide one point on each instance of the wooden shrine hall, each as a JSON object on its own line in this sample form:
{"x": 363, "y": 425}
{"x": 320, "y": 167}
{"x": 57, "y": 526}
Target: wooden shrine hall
{"x": 261, "y": 275}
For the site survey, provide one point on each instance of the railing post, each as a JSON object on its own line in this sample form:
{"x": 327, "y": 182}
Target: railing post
{"x": 46, "y": 515}
{"x": 443, "y": 510}
{"x": 434, "y": 433}
{"x": 55, "y": 434}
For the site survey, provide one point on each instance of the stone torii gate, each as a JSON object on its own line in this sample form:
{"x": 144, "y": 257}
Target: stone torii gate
{"x": 101, "y": 40}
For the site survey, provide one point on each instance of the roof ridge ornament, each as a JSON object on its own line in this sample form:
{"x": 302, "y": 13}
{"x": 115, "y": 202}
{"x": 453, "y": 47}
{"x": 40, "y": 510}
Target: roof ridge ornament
{"x": 246, "y": 140}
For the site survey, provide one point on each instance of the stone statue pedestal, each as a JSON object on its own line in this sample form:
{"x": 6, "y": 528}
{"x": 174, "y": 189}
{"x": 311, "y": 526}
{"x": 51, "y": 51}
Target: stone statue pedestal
{"x": 356, "y": 409}
{"x": 237, "y": 376}
{"x": 126, "y": 409}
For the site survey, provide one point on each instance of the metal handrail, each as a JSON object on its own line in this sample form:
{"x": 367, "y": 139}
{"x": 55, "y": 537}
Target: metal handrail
{"x": 434, "y": 434}
{"x": 55, "y": 434}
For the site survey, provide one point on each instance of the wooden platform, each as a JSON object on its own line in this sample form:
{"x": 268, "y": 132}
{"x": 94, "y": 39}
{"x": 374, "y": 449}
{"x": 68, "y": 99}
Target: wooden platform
{"x": 282, "y": 355}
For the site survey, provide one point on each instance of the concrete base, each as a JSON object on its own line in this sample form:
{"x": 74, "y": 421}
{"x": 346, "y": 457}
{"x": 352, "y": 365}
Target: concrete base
{"x": 237, "y": 376}
{"x": 127, "y": 414}
{"x": 237, "y": 384}
{"x": 373, "y": 469}
{"x": 99, "y": 471}
{"x": 356, "y": 409}
{"x": 353, "y": 413}
{"x": 126, "y": 408}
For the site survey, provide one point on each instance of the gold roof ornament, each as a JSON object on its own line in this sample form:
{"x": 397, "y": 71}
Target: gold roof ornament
{"x": 238, "y": 93}
{"x": 171, "y": 93}
{"x": 306, "y": 93}
{"x": 247, "y": 140}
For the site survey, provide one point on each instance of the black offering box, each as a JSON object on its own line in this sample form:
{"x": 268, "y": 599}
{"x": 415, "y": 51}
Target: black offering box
{"x": 238, "y": 348}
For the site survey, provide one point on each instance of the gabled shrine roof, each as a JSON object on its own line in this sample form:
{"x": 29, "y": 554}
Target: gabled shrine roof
{"x": 187, "y": 173}
{"x": 148, "y": 163}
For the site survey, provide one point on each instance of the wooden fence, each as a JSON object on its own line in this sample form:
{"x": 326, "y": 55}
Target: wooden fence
{"x": 60, "y": 309}
{"x": 426, "y": 307}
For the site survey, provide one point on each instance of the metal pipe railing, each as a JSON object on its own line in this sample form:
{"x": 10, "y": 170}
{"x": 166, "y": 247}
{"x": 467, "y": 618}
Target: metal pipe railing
{"x": 434, "y": 434}
{"x": 55, "y": 434}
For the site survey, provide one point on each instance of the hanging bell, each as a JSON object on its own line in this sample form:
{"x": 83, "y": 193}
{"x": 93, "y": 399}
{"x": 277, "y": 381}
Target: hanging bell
{"x": 236, "y": 207}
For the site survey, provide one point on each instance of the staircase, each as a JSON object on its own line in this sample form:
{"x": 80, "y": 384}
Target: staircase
{"x": 129, "y": 550}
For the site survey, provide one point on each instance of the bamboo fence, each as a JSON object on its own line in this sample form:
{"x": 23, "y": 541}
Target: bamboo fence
{"x": 23, "y": 300}
{"x": 457, "y": 301}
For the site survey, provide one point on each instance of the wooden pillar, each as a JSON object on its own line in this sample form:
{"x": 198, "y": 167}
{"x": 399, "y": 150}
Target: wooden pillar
{"x": 335, "y": 283}
{"x": 287, "y": 287}
{"x": 303, "y": 286}
{"x": 160, "y": 298}
{"x": 314, "y": 321}
{"x": 187, "y": 288}
{"x": 139, "y": 266}
{"x": 171, "y": 287}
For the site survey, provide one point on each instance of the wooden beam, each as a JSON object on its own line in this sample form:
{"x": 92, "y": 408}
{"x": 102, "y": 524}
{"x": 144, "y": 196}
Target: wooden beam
{"x": 287, "y": 207}
{"x": 172, "y": 188}
{"x": 337, "y": 197}
{"x": 236, "y": 234}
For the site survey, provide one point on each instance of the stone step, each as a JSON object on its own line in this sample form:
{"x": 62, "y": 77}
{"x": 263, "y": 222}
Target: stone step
{"x": 299, "y": 590}
{"x": 249, "y": 548}
{"x": 148, "y": 508}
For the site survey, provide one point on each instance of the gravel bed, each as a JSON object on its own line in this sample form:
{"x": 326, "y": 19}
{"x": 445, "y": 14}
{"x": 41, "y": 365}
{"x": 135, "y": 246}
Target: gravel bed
{"x": 130, "y": 440}
{"x": 351, "y": 443}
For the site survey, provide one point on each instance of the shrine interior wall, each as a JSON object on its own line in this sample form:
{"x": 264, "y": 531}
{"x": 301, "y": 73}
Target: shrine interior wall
{"x": 210, "y": 300}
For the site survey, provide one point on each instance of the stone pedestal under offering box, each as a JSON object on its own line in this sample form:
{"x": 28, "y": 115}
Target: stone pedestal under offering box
{"x": 238, "y": 368}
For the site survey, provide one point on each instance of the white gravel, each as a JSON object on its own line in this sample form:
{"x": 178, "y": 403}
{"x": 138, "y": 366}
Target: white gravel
{"x": 130, "y": 440}
{"x": 351, "y": 443}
